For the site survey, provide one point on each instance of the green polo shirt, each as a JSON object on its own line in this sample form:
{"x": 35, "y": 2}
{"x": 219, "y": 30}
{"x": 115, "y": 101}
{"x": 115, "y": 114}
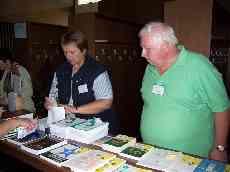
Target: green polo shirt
{"x": 182, "y": 117}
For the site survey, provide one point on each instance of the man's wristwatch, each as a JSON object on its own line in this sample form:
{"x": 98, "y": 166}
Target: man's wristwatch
{"x": 221, "y": 148}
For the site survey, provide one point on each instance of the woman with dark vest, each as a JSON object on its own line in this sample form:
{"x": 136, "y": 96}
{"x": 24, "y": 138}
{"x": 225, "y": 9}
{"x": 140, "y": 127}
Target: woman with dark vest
{"x": 81, "y": 84}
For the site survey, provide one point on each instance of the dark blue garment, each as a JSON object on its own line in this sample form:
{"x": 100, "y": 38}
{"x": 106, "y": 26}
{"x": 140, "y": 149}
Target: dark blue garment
{"x": 86, "y": 75}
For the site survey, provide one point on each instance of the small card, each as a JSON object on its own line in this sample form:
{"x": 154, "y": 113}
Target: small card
{"x": 83, "y": 88}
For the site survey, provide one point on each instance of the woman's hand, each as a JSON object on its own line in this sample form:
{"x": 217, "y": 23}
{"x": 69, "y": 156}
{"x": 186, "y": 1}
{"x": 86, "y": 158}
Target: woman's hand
{"x": 69, "y": 109}
{"x": 49, "y": 103}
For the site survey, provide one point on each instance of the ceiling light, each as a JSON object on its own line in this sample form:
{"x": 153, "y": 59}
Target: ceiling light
{"x": 81, "y": 2}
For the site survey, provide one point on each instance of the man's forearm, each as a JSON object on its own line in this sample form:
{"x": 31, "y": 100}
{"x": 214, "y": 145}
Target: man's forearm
{"x": 221, "y": 128}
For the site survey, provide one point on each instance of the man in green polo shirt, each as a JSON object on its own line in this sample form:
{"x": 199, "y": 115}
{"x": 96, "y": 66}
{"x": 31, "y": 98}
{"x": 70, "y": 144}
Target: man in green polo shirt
{"x": 185, "y": 101}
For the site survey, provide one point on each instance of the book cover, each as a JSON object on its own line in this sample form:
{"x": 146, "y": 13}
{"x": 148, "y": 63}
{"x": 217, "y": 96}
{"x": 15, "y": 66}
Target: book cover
{"x": 118, "y": 143}
{"x": 227, "y": 168}
{"x": 89, "y": 161}
{"x": 160, "y": 159}
{"x": 136, "y": 151}
{"x": 23, "y": 132}
{"x": 210, "y": 165}
{"x": 11, "y": 134}
{"x": 130, "y": 168}
{"x": 88, "y": 124}
{"x": 61, "y": 154}
{"x": 101, "y": 141}
{"x": 43, "y": 145}
{"x": 29, "y": 138}
{"x": 186, "y": 163}
{"x": 112, "y": 165}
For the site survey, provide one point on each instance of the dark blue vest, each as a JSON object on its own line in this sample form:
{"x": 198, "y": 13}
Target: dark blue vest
{"x": 85, "y": 76}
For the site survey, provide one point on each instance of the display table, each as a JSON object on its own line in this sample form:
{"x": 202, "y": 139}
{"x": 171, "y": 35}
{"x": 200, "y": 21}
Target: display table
{"x": 8, "y": 114}
{"x": 15, "y": 152}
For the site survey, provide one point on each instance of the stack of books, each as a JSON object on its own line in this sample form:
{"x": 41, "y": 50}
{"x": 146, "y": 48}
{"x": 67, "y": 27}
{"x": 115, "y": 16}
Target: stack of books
{"x": 42, "y": 145}
{"x": 118, "y": 143}
{"x": 81, "y": 130}
{"x": 61, "y": 128}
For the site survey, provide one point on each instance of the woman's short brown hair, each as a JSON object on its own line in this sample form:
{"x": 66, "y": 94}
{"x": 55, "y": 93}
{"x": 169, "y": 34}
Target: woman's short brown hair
{"x": 76, "y": 37}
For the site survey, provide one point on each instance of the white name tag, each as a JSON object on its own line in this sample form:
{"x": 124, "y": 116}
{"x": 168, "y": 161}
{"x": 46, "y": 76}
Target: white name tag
{"x": 82, "y": 88}
{"x": 158, "y": 90}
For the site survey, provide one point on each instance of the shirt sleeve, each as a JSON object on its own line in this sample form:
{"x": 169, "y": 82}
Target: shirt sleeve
{"x": 102, "y": 87}
{"x": 25, "y": 82}
{"x": 54, "y": 90}
{"x": 212, "y": 89}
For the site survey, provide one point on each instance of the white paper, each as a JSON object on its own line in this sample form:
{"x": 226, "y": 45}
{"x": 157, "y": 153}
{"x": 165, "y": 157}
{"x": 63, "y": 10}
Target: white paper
{"x": 42, "y": 124}
{"x": 55, "y": 114}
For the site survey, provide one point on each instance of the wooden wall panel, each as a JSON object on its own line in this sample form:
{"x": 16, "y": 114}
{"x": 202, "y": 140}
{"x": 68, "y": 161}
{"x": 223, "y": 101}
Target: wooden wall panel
{"x": 40, "y": 53}
{"x": 192, "y": 21}
{"x": 116, "y": 45}
{"x": 6, "y": 35}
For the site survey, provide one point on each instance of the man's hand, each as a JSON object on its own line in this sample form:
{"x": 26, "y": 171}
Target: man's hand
{"x": 27, "y": 123}
{"x": 218, "y": 155}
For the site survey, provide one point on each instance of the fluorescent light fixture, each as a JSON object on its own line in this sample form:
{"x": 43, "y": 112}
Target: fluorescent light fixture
{"x": 81, "y": 2}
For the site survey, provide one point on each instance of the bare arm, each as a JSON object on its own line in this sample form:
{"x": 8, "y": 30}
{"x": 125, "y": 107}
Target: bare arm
{"x": 221, "y": 135}
{"x": 94, "y": 107}
{"x": 7, "y": 125}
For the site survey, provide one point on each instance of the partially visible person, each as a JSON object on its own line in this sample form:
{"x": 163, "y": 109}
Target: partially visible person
{"x": 16, "y": 79}
{"x": 7, "y": 125}
{"x": 81, "y": 84}
{"x": 186, "y": 107}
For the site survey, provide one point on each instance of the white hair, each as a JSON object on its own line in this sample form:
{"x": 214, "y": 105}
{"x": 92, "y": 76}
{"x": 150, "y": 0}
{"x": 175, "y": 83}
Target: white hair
{"x": 160, "y": 32}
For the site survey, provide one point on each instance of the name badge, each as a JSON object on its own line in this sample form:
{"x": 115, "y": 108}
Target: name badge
{"x": 158, "y": 90}
{"x": 82, "y": 88}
